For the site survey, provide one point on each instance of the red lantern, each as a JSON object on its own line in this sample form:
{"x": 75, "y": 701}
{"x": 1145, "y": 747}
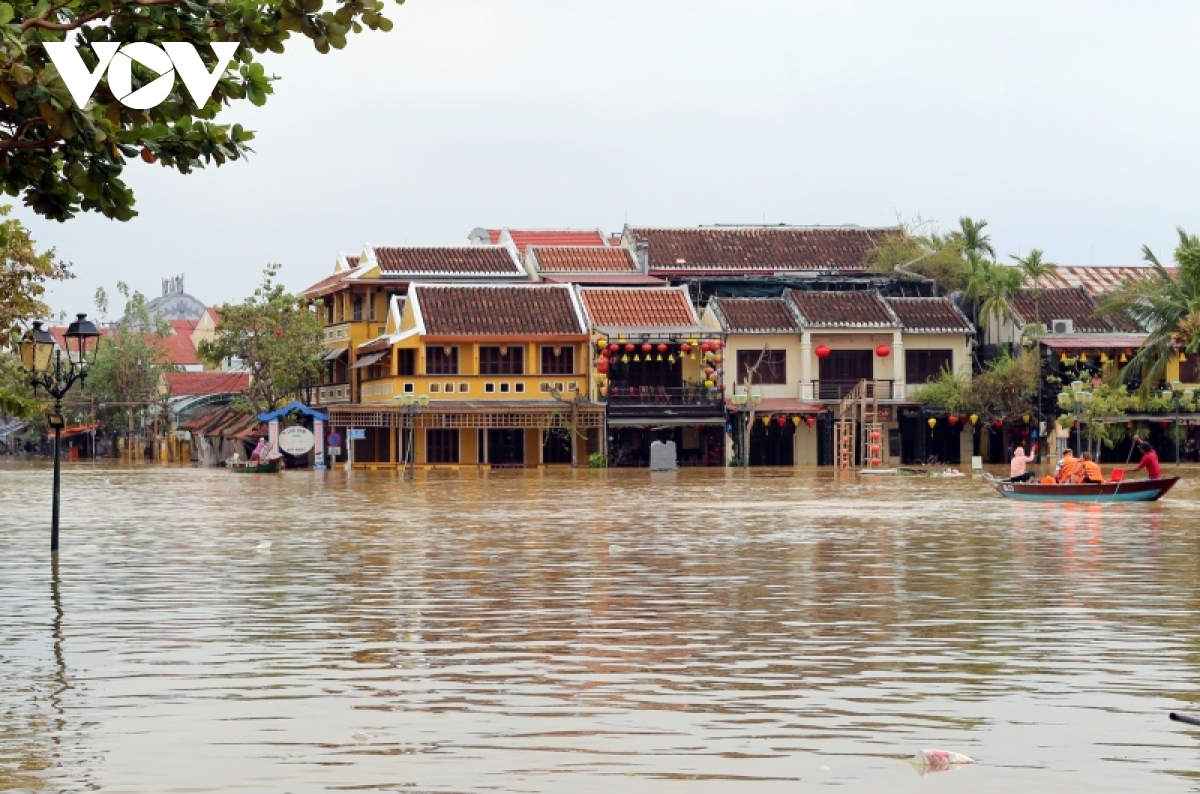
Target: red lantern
{"x": 602, "y": 367}
{"x": 822, "y": 351}
{"x": 662, "y": 348}
{"x": 705, "y": 346}
{"x": 614, "y": 348}
{"x": 874, "y": 461}
{"x": 874, "y": 447}
{"x": 717, "y": 344}
{"x": 810, "y": 420}
{"x": 875, "y": 435}
{"x": 952, "y": 419}
{"x": 709, "y": 371}
{"x": 998, "y": 424}
{"x": 629, "y": 348}
{"x": 646, "y": 348}
{"x": 883, "y": 351}
{"x": 685, "y": 347}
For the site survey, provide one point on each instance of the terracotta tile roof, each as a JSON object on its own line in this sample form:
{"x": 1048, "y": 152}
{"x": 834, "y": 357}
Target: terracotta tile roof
{"x": 606, "y": 279}
{"x": 583, "y": 259}
{"x": 182, "y": 384}
{"x": 327, "y": 285}
{"x": 1097, "y": 280}
{"x": 1103, "y": 341}
{"x": 352, "y": 261}
{"x": 930, "y": 315}
{"x": 496, "y": 311}
{"x": 523, "y": 238}
{"x": 759, "y": 249}
{"x": 1071, "y": 303}
{"x": 754, "y": 315}
{"x": 462, "y": 260}
{"x": 637, "y": 307}
{"x": 843, "y": 309}
{"x": 179, "y": 350}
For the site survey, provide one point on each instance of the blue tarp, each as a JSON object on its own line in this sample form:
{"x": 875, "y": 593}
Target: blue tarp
{"x": 295, "y": 406}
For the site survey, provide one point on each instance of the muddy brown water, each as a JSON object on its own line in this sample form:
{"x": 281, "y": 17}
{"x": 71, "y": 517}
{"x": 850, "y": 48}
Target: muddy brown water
{"x": 590, "y": 631}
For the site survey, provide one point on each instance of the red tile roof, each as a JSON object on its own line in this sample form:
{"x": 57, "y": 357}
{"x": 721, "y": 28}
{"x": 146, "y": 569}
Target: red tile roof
{"x": 606, "y": 279}
{"x": 930, "y": 315}
{"x": 843, "y": 309}
{"x": 181, "y": 384}
{"x": 638, "y": 307}
{"x": 758, "y": 249}
{"x": 179, "y": 350}
{"x": 1097, "y": 280}
{"x": 525, "y": 310}
{"x": 463, "y": 260}
{"x": 754, "y": 315}
{"x": 523, "y": 238}
{"x": 583, "y": 259}
{"x": 327, "y": 285}
{"x": 1104, "y": 341}
{"x": 1071, "y": 303}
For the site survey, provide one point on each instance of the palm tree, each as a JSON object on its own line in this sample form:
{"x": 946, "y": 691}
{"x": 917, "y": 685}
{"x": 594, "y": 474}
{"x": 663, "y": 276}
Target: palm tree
{"x": 1035, "y": 268}
{"x": 1167, "y": 306}
{"x": 973, "y": 237}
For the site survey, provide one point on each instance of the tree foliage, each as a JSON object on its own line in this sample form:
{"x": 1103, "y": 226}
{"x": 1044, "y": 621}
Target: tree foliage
{"x": 24, "y": 274}
{"x": 64, "y": 158}
{"x": 131, "y": 358}
{"x": 1006, "y": 388}
{"x": 1167, "y": 306}
{"x": 275, "y": 336}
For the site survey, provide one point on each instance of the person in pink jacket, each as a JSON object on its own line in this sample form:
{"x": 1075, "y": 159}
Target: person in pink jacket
{"x": 1016, "y": 470}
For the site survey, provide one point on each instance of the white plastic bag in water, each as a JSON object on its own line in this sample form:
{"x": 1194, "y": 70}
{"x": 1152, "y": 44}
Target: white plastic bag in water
{"x": 940, "y": 760}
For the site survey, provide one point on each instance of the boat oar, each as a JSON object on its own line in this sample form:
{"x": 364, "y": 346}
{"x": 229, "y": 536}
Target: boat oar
{"x": 1184, "y": 718}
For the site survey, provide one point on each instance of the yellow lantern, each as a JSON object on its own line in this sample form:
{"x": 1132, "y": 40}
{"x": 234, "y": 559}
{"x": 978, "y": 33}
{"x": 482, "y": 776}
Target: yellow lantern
{"x": 974, "y": 418}
{"x": 1182, "y": 358}
{"x": 766, "y": 420}
{"x": 1083, "y": 357}
{"x": 1104, "y": 358}
{"x": 1025, "y": 418}
{"x": 635, "y": 357}
{"x": 708, "y": 384}
{"x": 796, "y": 421}
{"x": 601, "y": 343}
{"x": 1063, "y": 358}
{"x": 932, "y": 423}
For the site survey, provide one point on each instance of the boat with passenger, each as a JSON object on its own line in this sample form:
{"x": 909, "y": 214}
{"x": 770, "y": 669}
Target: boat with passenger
{"x": 1117, "y": 489}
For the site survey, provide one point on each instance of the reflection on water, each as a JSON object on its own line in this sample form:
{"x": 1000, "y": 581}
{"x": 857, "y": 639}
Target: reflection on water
{"x": 576, "y": 631}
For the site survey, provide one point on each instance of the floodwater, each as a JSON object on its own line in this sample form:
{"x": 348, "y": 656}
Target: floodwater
{"x": 590, "y": 631}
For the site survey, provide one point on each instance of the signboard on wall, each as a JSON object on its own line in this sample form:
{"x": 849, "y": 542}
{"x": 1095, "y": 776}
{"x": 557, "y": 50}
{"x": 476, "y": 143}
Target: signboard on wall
{"x": 296, "y": 440}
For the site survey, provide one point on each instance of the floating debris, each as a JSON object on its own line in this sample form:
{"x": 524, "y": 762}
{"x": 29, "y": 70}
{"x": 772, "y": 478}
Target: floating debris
{"x": 939, "y": 760}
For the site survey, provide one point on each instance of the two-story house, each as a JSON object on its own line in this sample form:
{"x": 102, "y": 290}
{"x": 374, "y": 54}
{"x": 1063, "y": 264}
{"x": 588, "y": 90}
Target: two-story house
{"x": 476, "y": 375}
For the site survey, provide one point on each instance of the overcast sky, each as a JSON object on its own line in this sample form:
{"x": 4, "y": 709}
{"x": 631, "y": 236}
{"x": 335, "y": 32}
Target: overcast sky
{"x": 1070, "y": 126}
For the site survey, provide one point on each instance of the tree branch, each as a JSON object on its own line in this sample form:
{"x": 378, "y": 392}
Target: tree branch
{"x": 44, "y": 24}
{"x": 45, "y": 143}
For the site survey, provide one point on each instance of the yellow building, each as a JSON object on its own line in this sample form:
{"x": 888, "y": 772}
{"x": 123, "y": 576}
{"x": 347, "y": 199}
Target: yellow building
{"x": 798, "y": 355}
{"x": 476, "y": 375}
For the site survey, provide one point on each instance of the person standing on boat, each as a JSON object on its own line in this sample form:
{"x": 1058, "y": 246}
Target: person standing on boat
{"x": 1016, "y": 469}
{"x": 1090, "y": 471}
{"x": 259, "y": 455}
{"x": 1149, "y": 462}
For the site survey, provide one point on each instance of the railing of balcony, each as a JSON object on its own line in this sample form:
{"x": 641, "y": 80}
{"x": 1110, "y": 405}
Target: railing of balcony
{"x": 837, "y": 388}
{"x": 620, "y": 394}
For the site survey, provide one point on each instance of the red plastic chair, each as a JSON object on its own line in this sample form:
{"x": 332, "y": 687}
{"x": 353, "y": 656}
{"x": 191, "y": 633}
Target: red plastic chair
{"x": 1118, "y": 475}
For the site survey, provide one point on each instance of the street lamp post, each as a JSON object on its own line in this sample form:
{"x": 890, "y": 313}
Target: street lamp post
{"x": 411, "y": 404}
{"x": 1178, "y": 395}
{"x": 51, "y": 370}
{"x": 1076, "y": 399}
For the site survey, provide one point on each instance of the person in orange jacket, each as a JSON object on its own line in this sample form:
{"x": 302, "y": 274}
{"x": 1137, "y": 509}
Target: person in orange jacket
{"x": 1067, "y": 467}
{"x": 1089, "y": 470}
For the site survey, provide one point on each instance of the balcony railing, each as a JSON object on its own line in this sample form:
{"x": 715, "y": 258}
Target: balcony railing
{"x": 837, "y": 388}
{"x": 621, "y": 394}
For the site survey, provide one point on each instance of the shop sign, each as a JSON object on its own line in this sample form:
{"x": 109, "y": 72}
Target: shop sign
{"x": 296, "y": 440}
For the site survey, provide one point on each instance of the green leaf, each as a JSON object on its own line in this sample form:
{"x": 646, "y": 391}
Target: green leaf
{"x": 6, "y": 13}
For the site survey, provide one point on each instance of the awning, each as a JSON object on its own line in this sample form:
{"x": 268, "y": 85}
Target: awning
{"x": 671, "y": 421}
{"x": 367, "y": 361}
{"x": 783, "y": 405}
{"x": 330, "y": 355}
{"x": 1083, "y": 341}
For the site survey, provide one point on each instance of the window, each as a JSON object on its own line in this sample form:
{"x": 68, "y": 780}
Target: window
{"x": 441, "y": 446}
{"x": 371, "y": 305}
{"x": 558, "y": 360}
{"x": 847, "y": 365}
{"x": 435, "y": 388}
{"x": 357, "y": 310}
{"x": 501, "y": 360}
{"x": 489, "y": 388}
{"x": 922, "y": 366}
{"x": 406, "y": 362}
{"x": 1189, "y": 370}
{"x": 519, "y": 388}
{"x": 441, "y": 360}
{"x": 463, "y": 388}
{"x": 772, "y": 370}
{"x": 504, "y": 388}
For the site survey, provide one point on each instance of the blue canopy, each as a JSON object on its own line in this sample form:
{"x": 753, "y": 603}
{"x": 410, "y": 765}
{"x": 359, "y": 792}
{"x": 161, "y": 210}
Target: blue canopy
{"x": 294, "y": 406}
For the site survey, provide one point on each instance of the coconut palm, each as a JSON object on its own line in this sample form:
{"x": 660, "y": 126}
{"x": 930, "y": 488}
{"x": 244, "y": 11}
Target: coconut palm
{"x": 1167, "y": 306}
{"x": 1035, "y": 268}
{"x": 973, "y": 237}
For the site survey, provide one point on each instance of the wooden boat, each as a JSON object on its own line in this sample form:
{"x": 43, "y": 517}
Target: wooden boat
{"x": 1123, "y": 491}
{"x": 248, "y": 467}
